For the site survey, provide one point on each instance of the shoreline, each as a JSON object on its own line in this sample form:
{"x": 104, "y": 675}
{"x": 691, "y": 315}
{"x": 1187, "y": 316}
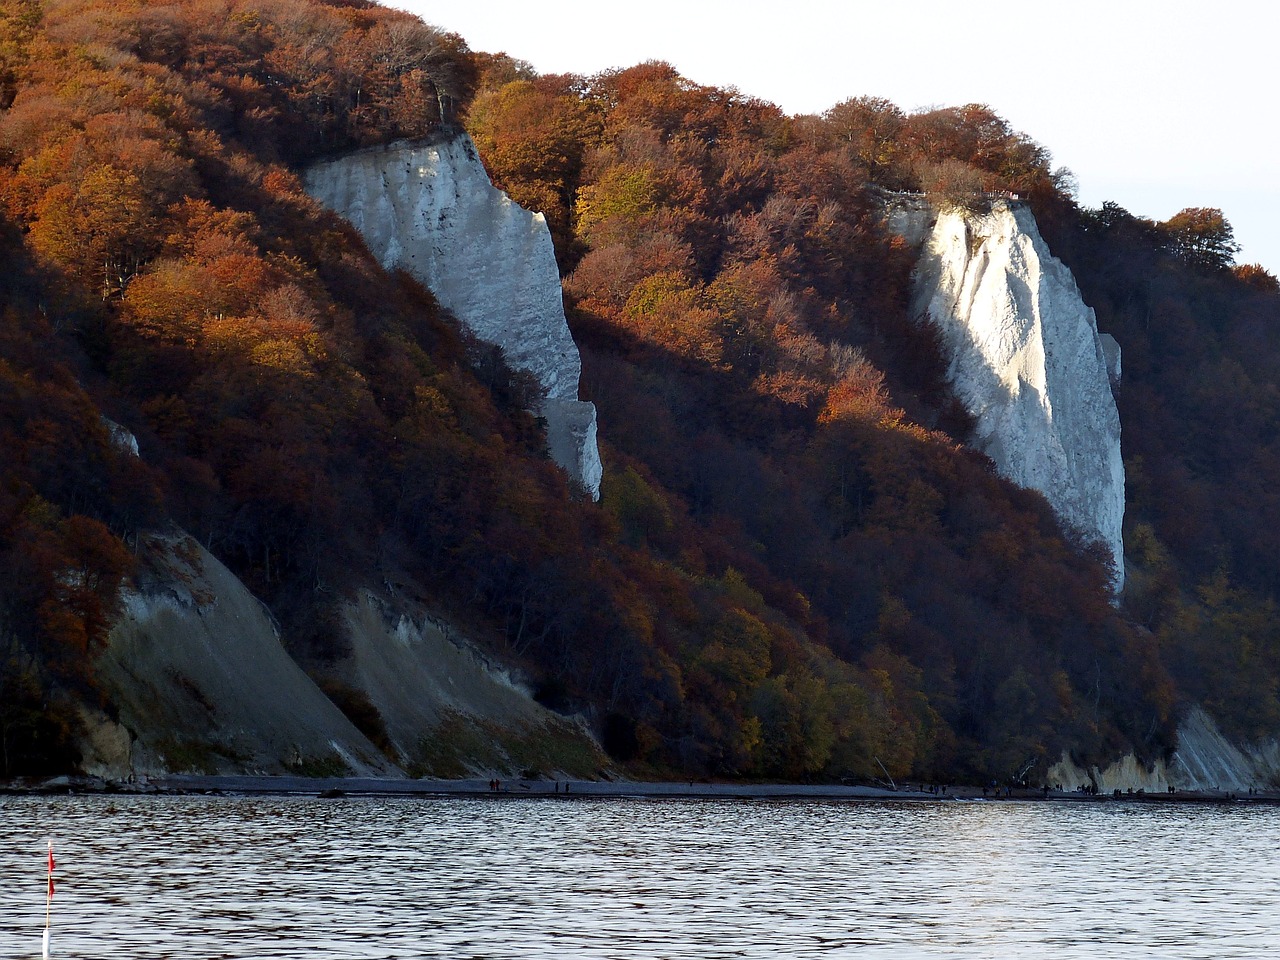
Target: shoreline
{"x": 334, "y": 787}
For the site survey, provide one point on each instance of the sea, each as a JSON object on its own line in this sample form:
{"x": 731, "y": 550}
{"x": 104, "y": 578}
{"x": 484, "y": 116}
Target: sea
{"x": 205, "y": 877}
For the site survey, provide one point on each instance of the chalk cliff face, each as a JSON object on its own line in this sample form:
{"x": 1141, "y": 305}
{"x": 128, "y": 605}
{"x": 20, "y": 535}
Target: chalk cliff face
{"x": 1204, "y": 761}
{"x": 203, "y": 682}
{"x": 1025, "y": 358}
{"x": 430, "y": 209}
{"x": 447, "y": 707}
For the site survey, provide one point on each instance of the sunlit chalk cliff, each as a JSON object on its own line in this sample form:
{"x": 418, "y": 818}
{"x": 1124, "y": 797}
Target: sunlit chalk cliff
{"x": 1024, "y": 357}
{"x": 430, "y": 209}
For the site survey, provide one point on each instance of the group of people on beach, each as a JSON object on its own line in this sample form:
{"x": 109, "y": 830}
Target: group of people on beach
{"x": 495, "y": 786}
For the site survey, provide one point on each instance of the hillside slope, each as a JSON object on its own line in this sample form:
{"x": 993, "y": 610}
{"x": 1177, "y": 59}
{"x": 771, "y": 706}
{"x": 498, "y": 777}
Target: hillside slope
{"x": 796, "y": 567}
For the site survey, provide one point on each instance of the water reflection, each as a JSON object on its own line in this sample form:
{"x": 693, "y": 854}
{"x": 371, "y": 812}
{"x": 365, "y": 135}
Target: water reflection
{"x": 292, "y": 877}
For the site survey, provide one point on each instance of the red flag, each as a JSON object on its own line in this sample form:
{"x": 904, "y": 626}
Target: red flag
{"x": 51, "y": 860}
{"x": 51, "y": 887}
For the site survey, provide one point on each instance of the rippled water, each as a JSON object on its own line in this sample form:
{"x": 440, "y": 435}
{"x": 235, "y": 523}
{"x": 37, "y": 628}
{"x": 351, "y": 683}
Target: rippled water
{"x": 197, "y": 877}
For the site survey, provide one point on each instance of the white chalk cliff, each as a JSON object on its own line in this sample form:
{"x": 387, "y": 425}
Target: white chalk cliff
{"x": 1205, "y": 761}
{"x": 1025, "y": 358}
{"x": 430, "y": 209}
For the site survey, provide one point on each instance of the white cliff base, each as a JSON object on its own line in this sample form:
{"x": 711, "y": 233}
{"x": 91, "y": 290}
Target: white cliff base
{"x": 1205, "y": 761}
{"x": 1025, "y": 359}
{"x": 430, "y": 209}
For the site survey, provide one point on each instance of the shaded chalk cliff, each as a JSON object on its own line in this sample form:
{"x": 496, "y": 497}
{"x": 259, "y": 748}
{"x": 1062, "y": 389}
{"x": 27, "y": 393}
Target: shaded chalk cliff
{"x": 448, "y": 708}
{"x": 430, "y": 209}
{"x": 203, "y": 682}
{"x": 1025, "y": 358}
{"x": 1204, "y": 761}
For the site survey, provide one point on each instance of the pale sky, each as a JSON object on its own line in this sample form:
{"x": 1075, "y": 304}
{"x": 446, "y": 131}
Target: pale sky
{"x": 1155, "y": 104}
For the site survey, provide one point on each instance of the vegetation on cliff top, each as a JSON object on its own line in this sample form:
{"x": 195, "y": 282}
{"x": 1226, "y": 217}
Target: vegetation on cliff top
{"x": 795, "y": 570}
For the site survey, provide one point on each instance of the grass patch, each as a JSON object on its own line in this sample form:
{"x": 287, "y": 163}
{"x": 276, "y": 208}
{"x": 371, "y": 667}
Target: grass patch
{"x": 188, "y": 756}
{"x": 456, "y": 748}
{"x": 557, "y": 745}
{"x": 462, "y": 746}
{"x": 318, "y": 767}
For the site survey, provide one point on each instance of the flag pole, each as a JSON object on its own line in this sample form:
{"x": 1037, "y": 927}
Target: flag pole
{"x": 48, "y": 903}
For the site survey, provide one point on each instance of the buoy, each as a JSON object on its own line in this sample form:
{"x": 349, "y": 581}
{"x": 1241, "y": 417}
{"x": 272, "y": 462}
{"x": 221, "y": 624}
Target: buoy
{"x": 48, "y": 903}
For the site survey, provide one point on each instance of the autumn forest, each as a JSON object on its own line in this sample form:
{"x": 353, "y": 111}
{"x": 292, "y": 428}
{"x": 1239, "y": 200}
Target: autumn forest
{"x": 796, "y": 570}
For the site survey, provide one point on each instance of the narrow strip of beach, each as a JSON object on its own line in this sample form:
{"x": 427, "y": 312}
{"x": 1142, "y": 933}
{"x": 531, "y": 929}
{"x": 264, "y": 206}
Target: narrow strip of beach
{"x": 498, "y": 789}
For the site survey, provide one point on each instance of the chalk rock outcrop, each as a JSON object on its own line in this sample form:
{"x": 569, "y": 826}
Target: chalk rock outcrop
{"x": 1128, "y": 775}
{"x": 122, "y": 437}
{"x": 1024, "y": 357}
{"x": 430, "y": 209}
